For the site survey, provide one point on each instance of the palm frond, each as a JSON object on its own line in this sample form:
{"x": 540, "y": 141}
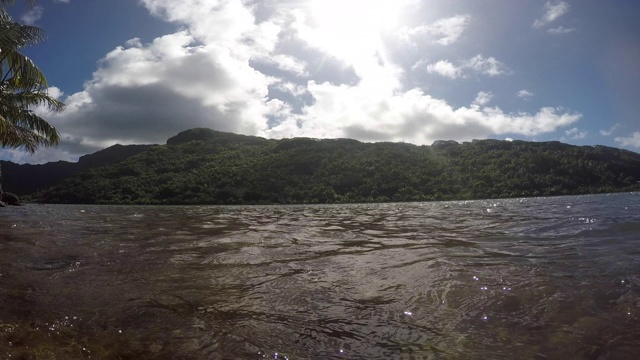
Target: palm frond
{"x": 20, "y": 72}
{"x": 28, "y": 131}
{"x": 29, "y": 99}
{"x": 18, "y": 137}
{"x": 14, "y": 35}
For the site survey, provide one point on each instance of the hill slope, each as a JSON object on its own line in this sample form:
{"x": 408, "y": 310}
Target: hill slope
{"x": 202, "y": 166}
{"x": 23, "y": 179}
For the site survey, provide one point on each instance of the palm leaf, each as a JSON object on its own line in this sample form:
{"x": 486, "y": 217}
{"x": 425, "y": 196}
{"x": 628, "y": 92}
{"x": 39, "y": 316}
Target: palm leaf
{"x": 14, "y": 35}
{"x": 28, "y": 131}
{"x": 30, "y": 99}
{"x": 22, "y": 73}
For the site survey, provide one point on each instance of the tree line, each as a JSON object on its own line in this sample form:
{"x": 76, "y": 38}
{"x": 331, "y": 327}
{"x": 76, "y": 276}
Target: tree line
{"x": 202, "y": 166}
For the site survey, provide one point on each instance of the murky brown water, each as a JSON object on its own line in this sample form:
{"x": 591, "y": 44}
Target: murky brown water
{"x": 548, "y": 278}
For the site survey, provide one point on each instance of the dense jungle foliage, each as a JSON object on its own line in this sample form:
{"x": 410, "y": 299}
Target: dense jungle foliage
{"x": 202, "y": 166}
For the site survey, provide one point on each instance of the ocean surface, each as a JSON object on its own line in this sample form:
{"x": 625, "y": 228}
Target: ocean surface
{"x": 534, "y": 278}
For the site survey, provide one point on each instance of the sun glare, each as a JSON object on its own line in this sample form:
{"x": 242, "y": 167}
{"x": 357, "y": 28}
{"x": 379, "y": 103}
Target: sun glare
{"x": 352, "y": 28}
{"x": 356, "y": 16}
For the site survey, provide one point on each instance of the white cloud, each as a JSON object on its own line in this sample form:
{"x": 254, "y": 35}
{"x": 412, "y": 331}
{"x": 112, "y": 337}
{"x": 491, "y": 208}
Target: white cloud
{"x": 610, "y": 131}
{"x": 483, "y": 98}
{"x": 61, "y": 1}
{"x": 287, "y": 63}
{"x": 447, "y": 30}
{"x": 444, "y": 68}
{"x": 575, "y": 134}
{"x": 207, "y": 20}
{"x": 524, "y": 94}
{"x": 291, "y": 88}
{"x": 411, "y": 116}
{"x": 487, "y": 66}
{"x": 34, "y": 14}
{"x": 55, "y": 92}
{"x": 633, "y": 140}
{"x": 135, "y": 42}
{"x": 552, "y": 12}
{"x": 478, "y": 64}
{"x": 560, "y": 30}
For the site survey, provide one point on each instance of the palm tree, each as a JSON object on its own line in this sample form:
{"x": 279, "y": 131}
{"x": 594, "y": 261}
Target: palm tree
{"x": 22, "y": 87}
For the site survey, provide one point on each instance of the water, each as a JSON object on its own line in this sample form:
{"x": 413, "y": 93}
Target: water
{"x": 538, "y": 278}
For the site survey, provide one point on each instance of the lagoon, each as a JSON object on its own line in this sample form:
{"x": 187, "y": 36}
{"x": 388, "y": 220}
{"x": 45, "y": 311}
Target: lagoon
{"x": 535, "y": 278}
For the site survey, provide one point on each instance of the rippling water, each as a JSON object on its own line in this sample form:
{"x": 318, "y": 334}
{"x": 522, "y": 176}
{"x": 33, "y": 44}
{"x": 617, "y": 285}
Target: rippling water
{"x": 537, "y": 278}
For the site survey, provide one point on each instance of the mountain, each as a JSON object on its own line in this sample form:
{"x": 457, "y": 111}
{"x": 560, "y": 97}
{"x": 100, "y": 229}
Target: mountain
{"x": 203, "y": 166}
{"x": 24, "y": 179}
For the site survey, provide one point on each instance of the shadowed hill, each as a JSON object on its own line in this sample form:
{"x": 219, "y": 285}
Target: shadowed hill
{"x": 24, "y": 179}
{"x": 209, "y": 135}
{"x": 202, "y": 166}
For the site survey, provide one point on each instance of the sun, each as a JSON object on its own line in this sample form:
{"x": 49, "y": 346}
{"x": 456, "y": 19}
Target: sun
{"x": 351, "y": 29}
{"x": 355, "y": 17}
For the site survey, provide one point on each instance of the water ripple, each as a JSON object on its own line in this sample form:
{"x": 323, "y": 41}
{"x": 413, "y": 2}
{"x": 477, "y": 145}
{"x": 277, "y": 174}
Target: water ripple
{"x": 530, "y": 278}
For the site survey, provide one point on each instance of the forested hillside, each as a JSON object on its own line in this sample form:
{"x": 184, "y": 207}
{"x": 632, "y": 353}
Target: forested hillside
{"x": 202, "y": 166}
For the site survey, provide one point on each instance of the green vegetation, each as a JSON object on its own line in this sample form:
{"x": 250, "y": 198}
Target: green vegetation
{"x": 202, "y": 166}
{"x": 22, "y": 86}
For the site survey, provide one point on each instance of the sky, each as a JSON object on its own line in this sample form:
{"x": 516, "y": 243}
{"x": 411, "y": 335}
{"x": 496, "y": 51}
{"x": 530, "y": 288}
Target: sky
{"x": 414, "y": 71}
